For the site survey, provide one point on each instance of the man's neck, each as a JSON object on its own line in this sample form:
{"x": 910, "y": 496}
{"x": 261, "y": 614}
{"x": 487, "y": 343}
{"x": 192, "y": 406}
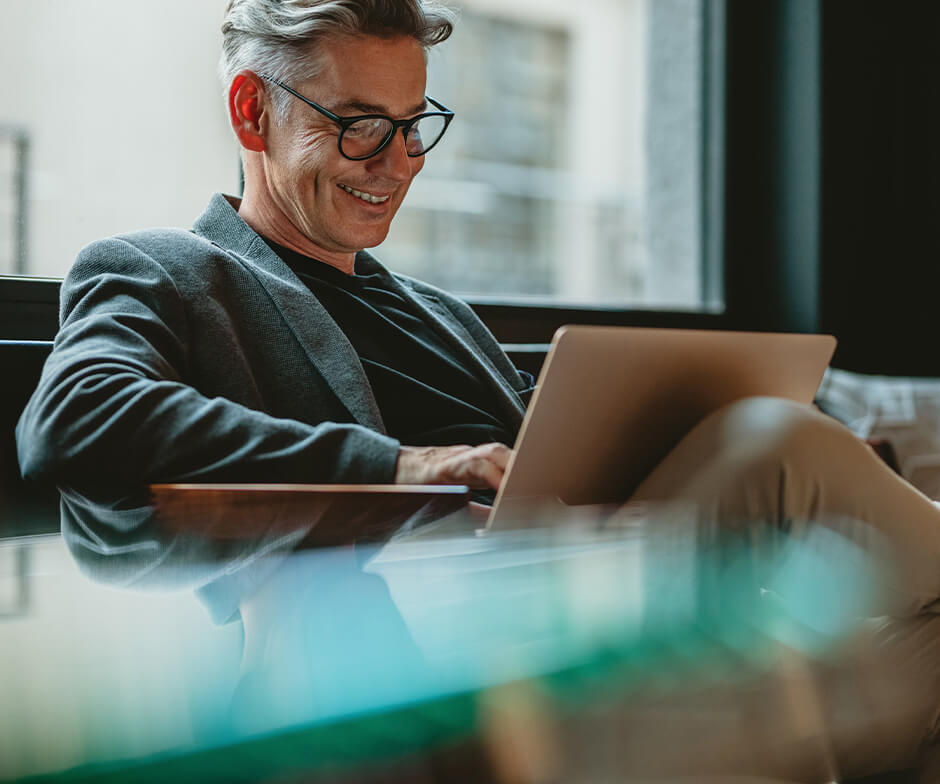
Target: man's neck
{"x": 274, "y": 226}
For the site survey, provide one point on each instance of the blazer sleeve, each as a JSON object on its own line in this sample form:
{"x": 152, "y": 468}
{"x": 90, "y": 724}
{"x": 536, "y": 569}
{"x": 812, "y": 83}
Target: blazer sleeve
{"x": 113, "y": 404}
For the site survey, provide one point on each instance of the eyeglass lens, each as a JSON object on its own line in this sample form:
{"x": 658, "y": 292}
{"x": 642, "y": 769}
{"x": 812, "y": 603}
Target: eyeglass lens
{"x": 364, "y": 137}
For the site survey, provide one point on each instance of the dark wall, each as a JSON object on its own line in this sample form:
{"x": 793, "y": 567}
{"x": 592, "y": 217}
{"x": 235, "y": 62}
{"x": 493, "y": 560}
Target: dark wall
{"x": 880, "y": 250}
{"x": 772, "y": 154}
{"x": 832, "y": 167}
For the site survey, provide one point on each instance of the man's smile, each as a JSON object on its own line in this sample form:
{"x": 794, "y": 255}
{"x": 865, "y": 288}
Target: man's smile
{"x": 367, "y": 197}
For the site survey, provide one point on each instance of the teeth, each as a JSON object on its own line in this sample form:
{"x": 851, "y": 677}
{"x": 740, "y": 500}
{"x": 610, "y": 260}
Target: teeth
{"x": 364, "y": 196}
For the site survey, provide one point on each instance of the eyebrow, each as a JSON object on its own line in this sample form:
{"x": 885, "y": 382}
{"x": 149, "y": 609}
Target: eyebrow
{"x": 373, "y": 108}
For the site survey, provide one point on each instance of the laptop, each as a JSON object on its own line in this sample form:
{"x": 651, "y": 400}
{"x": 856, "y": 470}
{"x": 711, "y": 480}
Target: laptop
{"x": 611, "y": 402}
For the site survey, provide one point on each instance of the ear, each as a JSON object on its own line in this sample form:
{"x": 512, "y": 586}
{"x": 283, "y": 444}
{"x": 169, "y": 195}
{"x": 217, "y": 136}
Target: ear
{"x": 247, "y": 110}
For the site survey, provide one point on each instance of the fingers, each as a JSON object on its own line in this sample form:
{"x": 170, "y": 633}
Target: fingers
{"x": 487, "y": 464}
{"x": 478, "y": 467}
{"x": 499, "y": 454}
{"x": 478, "y": 473}
{"x": 482, "y": 466}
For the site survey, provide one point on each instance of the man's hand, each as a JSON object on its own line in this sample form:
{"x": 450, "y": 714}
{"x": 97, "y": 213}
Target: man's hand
{"x": 477, "y": 467}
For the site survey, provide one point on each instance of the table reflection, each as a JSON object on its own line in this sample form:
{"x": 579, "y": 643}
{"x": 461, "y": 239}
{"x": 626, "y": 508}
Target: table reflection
{"x": 628, "y": 645}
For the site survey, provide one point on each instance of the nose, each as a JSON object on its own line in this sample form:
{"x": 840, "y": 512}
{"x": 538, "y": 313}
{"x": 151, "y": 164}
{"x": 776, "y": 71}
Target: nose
{"x": 393, "y": 161}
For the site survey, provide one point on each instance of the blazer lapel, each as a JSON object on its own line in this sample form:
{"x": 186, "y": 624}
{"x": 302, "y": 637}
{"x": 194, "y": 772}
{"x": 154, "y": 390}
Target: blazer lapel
{"x": 323, "y": 341}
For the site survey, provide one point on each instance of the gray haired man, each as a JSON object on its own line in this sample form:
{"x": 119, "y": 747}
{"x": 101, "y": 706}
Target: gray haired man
{"x": 267, "y": 345}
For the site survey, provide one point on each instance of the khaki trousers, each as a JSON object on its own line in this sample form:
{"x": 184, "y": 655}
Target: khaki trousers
{"x": 764, "y": 462}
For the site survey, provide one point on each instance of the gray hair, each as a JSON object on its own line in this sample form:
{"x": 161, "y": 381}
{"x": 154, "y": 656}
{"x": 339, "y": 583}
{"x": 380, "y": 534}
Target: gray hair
{"x": 277, "y": 37}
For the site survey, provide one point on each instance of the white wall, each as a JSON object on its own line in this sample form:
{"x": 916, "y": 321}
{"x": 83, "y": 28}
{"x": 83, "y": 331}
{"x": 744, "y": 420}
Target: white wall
{"x": 124, "y": 112}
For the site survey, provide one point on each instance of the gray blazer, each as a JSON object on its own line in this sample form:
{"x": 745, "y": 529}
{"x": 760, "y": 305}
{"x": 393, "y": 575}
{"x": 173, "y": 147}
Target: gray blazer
{"x": 200, "y": 356}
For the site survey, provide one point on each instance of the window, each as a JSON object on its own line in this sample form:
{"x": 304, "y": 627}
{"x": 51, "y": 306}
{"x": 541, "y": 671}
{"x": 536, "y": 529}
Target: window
{"x": 573, "y": 171}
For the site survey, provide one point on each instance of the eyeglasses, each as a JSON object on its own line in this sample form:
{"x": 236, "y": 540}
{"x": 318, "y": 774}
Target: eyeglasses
{"x": 365, "y": 135}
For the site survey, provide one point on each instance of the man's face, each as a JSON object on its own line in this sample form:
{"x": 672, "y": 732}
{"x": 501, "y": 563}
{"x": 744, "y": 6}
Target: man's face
{"x": 308, "y": 178}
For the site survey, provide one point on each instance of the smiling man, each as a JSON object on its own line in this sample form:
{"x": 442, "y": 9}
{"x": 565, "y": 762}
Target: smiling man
{"x": 266, "y": 344}
{"x": 328, "y": 186}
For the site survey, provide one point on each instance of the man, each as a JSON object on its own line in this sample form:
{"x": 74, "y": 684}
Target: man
{"x": 267, "y": 345}
{"x": 212, "y": 355}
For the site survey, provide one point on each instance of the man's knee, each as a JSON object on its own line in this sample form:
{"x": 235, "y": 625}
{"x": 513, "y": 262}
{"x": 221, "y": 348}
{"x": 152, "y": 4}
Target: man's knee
{"x": 779, "y": 430}
{"x": 750, "y": 444}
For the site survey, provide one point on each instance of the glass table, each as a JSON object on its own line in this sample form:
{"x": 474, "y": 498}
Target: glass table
{"x": 635, "y": 650}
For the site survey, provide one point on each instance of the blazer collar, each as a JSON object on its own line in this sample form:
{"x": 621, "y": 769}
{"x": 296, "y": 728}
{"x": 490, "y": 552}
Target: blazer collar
{"x": 323, "y": 341}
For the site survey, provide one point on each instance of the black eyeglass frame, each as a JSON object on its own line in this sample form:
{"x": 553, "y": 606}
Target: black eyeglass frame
{"x": 345, "y": 122}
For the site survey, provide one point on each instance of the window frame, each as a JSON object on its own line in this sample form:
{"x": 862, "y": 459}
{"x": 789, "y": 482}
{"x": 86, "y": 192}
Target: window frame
{"x": 19, "y": 137}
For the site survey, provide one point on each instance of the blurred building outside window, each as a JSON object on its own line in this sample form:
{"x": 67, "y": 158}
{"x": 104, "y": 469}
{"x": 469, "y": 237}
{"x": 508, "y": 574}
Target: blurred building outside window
{"x": 572, "y": 172}
{"x": 14, "y": 146}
